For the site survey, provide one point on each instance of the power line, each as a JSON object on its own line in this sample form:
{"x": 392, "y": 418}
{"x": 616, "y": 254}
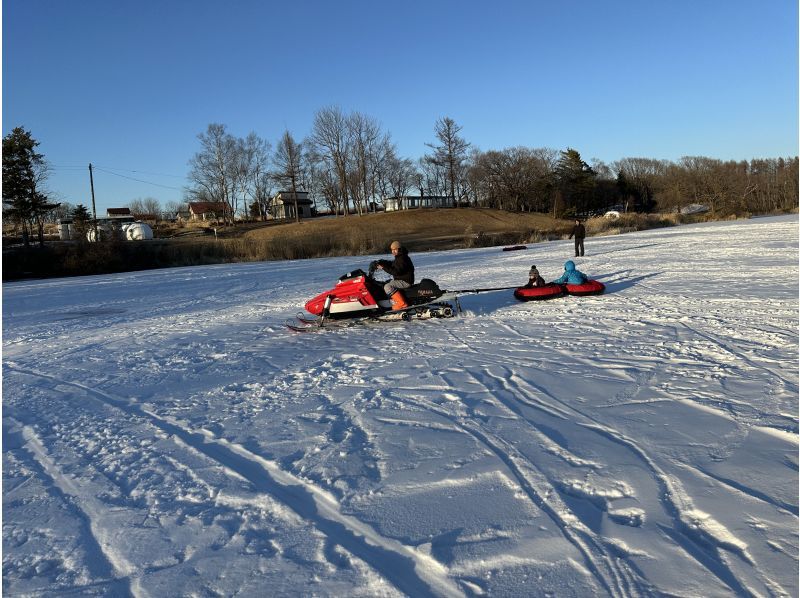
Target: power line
{"x": 177, "y": 176}
{"x": 137, "y": 180}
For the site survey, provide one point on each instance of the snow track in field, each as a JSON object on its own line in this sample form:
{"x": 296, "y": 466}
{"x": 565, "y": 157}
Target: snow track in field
{"x": 412, "y": 572}
{"x": 163, "y": 434}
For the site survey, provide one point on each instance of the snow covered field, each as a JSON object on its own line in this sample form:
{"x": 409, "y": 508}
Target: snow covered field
{"x": 164, "y": 435}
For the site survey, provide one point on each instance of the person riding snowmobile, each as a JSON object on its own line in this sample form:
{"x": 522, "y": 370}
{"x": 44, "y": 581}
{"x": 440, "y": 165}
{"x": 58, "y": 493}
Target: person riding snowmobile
{"x": 402, "y": 271}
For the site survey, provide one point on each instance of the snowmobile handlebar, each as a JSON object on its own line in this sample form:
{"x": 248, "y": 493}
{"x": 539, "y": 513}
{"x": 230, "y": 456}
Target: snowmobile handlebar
{"x": 373, "y": 265}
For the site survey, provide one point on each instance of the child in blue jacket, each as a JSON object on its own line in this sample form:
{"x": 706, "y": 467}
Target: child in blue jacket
{"x": 571, "y": 275}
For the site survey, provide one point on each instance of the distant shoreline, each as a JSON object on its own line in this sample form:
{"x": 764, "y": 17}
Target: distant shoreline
{"x": 420, "y": 230}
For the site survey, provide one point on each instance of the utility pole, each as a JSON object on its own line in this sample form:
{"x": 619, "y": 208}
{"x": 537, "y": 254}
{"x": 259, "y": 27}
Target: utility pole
{"x": 94, "y": 210}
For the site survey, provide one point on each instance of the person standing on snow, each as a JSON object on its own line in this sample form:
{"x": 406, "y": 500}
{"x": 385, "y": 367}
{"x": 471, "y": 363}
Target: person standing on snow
{"x": 571, "y": 275}
{"x": 579, "y": 232}
{"x": 402, "y": 271}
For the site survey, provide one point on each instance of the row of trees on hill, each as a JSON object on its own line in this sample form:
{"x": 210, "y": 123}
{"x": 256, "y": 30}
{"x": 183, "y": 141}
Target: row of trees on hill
{"x": 543, "y": 180}
{"x": 350, "y": 165}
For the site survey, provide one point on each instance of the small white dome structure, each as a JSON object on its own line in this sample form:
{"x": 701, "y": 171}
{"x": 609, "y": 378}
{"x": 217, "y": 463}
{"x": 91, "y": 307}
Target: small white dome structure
{"x": 137, "y": 231}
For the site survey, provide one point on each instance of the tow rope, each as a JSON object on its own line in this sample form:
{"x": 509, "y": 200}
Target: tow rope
{"x": 465, "y": 291}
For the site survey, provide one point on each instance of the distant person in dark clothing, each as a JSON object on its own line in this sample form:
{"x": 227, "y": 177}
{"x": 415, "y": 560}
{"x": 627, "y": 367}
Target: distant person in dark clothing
{"x": 579, "y": 232}
{"x": 534, "y": 278}
{"x": 402, "y": 271}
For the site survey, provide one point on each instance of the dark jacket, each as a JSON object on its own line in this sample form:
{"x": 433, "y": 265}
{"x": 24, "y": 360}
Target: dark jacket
{"x": 401, "y": 268}
{"x": 578, "y": 231}
{"x": 535, "y": 279}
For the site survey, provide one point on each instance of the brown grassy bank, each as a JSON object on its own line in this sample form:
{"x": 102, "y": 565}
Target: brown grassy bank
{"x": 419, "y": 230}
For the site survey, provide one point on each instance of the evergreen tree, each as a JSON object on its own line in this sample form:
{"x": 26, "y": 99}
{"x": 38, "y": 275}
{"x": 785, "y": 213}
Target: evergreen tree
{"x": 23, "y": 170}
{"x": 80, "y": 221}
{"x": 576, "y": 180}
{"x": 81, "y": 213}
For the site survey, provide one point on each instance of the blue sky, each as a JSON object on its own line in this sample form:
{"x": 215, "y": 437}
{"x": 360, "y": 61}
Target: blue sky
{"x": 129, "y": 85}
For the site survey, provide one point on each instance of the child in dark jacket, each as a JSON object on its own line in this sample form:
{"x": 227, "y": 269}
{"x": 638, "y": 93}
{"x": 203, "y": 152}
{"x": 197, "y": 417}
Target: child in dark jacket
{"x": 534, "y": 278}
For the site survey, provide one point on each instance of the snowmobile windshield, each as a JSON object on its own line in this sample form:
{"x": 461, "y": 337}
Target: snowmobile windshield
{"x": 354, "y": 274}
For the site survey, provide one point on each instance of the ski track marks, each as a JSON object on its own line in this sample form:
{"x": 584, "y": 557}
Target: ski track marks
{"x": 700, "y": 532}
{"x": 108, "y": 572}
{"x": 408, "y": 569}
{"x": 618, "y": 576}
{"x": 555, "y": 427}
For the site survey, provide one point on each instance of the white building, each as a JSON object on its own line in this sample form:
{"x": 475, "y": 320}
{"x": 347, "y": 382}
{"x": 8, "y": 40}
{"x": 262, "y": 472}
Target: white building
{"x": 409, "y": 202}
{"x": 283, "y": 205}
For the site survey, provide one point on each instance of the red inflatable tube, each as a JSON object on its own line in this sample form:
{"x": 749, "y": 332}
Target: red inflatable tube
{"x": 592, "y": 287}
{"x": 548, "y": 291}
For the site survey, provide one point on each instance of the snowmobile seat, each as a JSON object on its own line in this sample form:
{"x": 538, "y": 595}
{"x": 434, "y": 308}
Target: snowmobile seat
{"x": 425, "y": 290}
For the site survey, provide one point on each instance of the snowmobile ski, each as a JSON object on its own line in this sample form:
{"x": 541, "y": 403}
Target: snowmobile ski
{"x": 425, "y": 311}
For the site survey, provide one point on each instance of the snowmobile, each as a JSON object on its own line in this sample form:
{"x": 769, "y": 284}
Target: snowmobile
{"x": 359, "y": 294}
{"x": 359, "y": 297}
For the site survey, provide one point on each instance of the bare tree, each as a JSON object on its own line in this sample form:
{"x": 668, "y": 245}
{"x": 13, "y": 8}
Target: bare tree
{"x": 254, "y": 156}
{"x": 369, "y": 148}
{"x": 516, "y": 178}
{"x": 384, "y": 155}
{"x": 142, "y": 208}
{"x": 64, "y": 210}
{"x": 709, "y": 183}
{"x": 603, "y": 170}
{"x": 289, "y": 166}
{"x": 171, "y": 209}
{"x": 331, "y": 141}
{"x": 152, "y": 207}
{"x": 643, "y": 179}
{"x": 215, "y": 171}
{"x": 396, "y": 176}
{"x": 136, "y": 206}
{"x": 449, "y": 154}
{"x": 431, "y": 177}
{"x": 323, "y": 183}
